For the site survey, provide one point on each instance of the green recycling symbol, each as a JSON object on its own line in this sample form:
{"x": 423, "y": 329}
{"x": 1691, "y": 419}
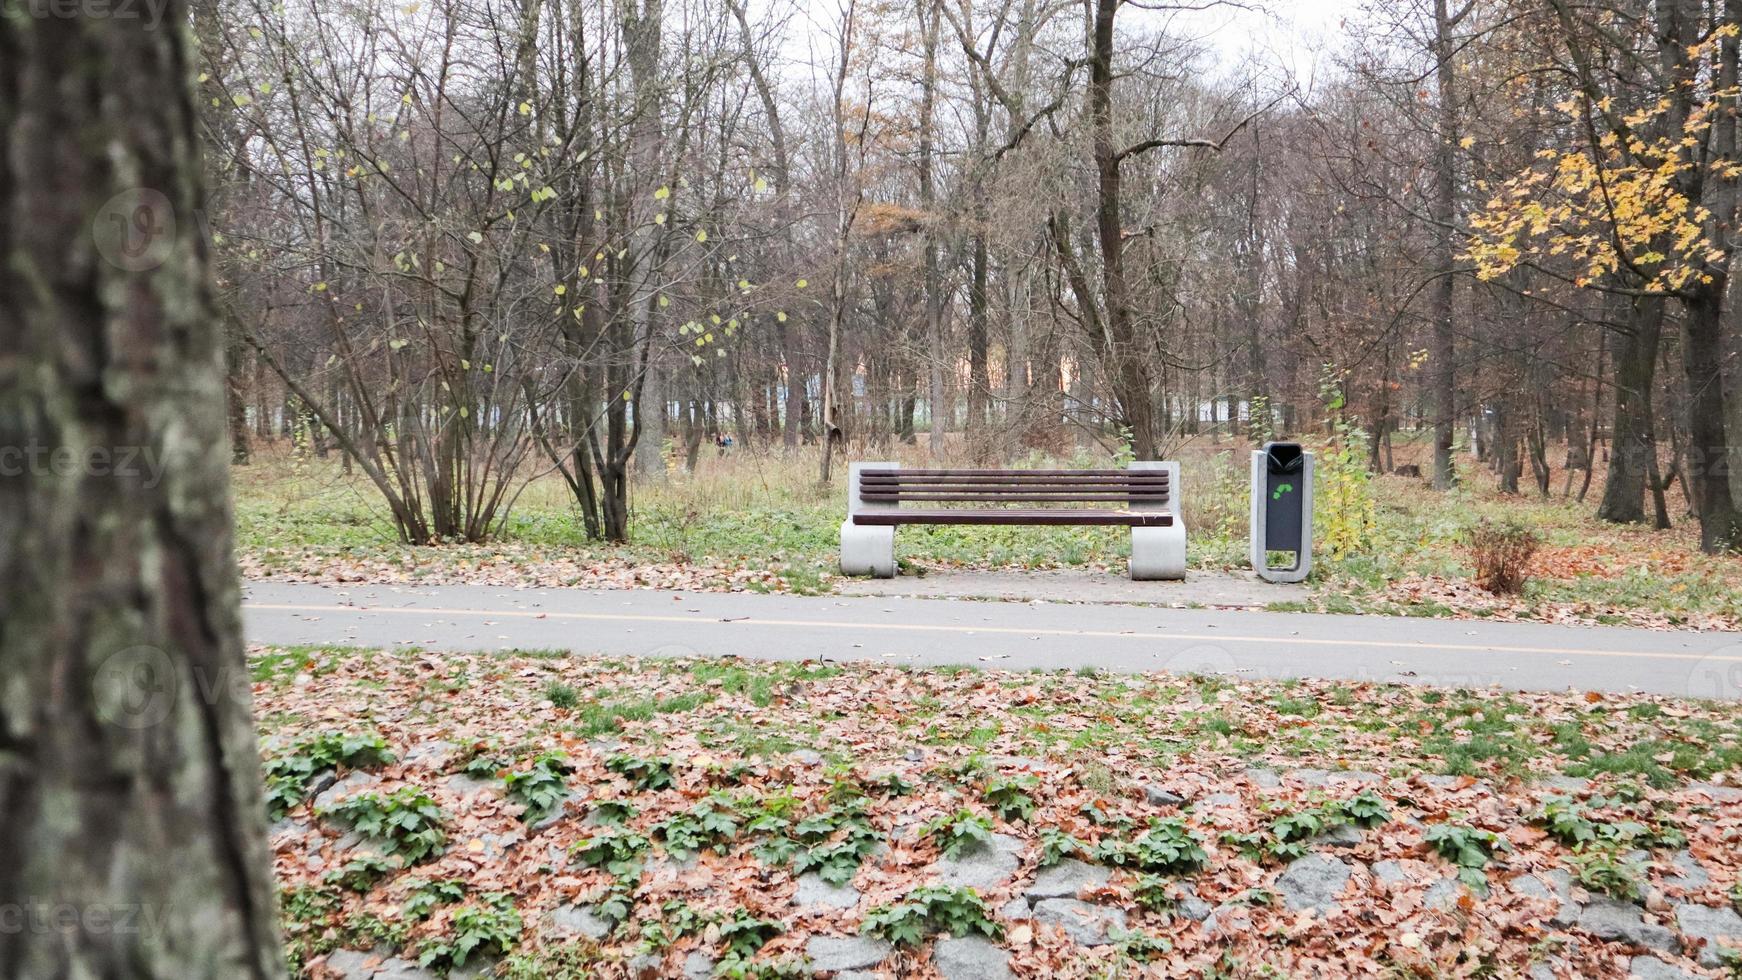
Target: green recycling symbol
{"x": 1281, "y": 488}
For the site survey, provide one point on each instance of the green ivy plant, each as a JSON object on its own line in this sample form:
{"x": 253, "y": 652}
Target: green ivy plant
{"x": 481, "y": 760}
{"x": 540, "y": 789}
{"x": 1138, "y": 945}
{"x": 360, "y": 873}
{"x": 1012, "y": 797}
{"x": 406, "y": 823}
{"x": 1290, "y": 835}
{"x": 615, "y": 901}
{"x": 289, "y": 774}
{"x": 488, "y": 927}
{"x": 677, "y": 919}
{"x": 1056, "y": 845}
{"x": 614, "y": 813}
{"x": 1167, "y": 847}
{"x": 1606, "y": 869}
{"x": 928, "y": 910}
{"x": 744, "y": 934}
{"x": 645, "y": 775}
{"x": 1572, "y": 824}
{"x": 1150, "y": 891}
{"x": 619, "y": 852}
{"x": 1468, "y": 848}
{"x": 1365, "y": 809}
{"x": 962, "y": 832}
{"x": 710, "y": 823}
{"x": 832, "y": 843}
{"x": 427, "y": 896}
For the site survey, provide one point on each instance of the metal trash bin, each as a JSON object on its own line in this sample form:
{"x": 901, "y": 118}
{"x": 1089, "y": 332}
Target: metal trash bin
{"x": 1282, "y": 511}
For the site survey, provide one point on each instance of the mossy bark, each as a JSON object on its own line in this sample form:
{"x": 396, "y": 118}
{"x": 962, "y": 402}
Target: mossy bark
{"x": 130, "y": 803}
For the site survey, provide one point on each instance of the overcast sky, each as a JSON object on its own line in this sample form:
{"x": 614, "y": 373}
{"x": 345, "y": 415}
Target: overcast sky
{"x": 1294, "y": 34}
{"x": 1284, "y": 36}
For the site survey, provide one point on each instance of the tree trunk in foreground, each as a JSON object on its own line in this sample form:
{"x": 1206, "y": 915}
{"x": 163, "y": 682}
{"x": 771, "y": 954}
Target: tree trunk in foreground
{"x": 130, "y": 800}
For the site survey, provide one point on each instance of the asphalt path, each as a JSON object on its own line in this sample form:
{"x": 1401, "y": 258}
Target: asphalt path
{"x": 1006, "y": 635}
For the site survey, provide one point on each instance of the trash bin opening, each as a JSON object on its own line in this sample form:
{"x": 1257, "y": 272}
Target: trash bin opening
{"x": 1283, "y": 457}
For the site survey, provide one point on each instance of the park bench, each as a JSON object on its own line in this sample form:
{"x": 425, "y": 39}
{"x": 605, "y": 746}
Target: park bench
{"x": 1144, "y": 497}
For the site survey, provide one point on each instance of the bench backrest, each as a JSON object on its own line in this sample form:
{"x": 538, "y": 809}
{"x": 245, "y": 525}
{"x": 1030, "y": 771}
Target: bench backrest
{"x": 1119, "y": 488}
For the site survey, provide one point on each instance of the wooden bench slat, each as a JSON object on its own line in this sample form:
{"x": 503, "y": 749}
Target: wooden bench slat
{"x": 1055, "y": 516}
{"x": 1035, "y": 496}
{"x": 901, "y": 476}
{"x": 995, "y": 487}
{"x": 1060, "y": 484}
{"x": 1161, "y": 488}
{"x": 895, "y": 487}
{"x": 903, "y": 472}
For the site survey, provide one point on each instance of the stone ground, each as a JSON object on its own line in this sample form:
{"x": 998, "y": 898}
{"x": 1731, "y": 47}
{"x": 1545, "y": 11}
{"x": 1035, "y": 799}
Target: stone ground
{"x": 1073, "y": 899}
{"x": 1209, "y": 589}
{"x": 913, "y": 748}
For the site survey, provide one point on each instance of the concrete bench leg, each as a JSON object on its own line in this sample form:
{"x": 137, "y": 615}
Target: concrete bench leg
{"x": 868, "y": 550}
{"x": 1158, "y": 553}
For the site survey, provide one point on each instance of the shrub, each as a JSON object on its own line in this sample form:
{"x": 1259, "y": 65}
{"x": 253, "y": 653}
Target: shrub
{"x": 1344, "y": 506}
{"x": 1344, "y": 503}
{"x": 1502, "y": 553}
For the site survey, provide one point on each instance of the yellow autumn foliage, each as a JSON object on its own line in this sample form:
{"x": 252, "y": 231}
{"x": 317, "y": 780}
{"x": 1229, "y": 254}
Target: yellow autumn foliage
{"x": 1616, "y": 204}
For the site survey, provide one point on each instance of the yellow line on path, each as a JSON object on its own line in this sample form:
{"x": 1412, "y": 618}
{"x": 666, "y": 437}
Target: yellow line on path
{"x": 1003, "y": 630}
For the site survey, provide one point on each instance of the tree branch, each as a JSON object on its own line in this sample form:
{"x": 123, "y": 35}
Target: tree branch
{"x": 1200, "y": 143}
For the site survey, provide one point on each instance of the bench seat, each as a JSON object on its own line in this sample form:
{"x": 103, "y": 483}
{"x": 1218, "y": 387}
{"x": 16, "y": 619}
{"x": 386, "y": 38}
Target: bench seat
{"x": 1142, "y": 498}
{"x": 1040, "y": 518}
